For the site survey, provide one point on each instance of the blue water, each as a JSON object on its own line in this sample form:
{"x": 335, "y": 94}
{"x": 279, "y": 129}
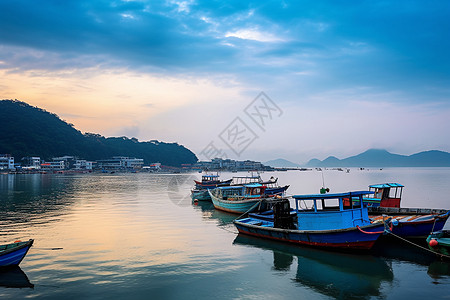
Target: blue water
{"x": 139, "y": 236}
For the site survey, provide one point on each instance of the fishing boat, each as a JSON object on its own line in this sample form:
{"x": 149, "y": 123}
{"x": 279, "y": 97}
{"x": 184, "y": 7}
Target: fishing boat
{"x": 211, "y": 181}
{"x": 410, "y": 223}
{"x": 327, "y": 223}
{"x": 384, "y": 195}
{"x": 439, "y": 241}
{"x": 13, "y": 254}
{"x": 272, "y": 186}
{"x": 238, "y": 199}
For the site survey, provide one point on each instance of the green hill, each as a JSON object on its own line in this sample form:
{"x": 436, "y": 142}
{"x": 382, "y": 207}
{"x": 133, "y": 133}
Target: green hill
{"x": 31, "y": 131}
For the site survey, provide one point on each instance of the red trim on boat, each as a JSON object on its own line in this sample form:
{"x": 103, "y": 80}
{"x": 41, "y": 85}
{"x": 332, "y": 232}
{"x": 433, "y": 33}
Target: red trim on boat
{"x": 365, "y": 245}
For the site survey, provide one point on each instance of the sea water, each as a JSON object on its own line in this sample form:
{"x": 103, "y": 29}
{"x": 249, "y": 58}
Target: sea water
{"x": 139, "y": 236}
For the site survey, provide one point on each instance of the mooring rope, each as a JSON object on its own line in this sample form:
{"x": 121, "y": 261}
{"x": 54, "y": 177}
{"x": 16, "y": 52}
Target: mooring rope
{"x": 249, "y": 210}
{"x": 421, "y": 247}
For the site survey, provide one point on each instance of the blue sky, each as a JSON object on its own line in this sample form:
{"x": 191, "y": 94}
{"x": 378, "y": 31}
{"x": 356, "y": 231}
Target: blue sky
{"x": 344, "y": 73}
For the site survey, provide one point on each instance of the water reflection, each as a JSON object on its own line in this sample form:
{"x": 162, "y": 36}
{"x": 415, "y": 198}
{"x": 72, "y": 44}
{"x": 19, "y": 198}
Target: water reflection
{"x": 404, "y": 252}
{"x": 14, "y": 277}
{"x": 339, "y": 275}
{"x": 210, "y": 213}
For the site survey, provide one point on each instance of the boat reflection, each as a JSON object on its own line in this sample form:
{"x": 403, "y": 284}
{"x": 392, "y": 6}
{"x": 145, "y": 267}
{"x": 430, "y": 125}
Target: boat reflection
{"x": 399, "y": 250}
{"x": 335, "y": 274}
{"x": 439, "y": 271}
{"x": 14, "y": 277}
{"x": 210, "y": 213}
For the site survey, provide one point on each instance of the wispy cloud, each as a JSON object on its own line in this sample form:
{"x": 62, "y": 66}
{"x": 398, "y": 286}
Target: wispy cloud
{"x": 302, "y": 52}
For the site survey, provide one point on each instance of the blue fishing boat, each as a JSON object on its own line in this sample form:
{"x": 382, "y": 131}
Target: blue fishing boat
{"x": 238, "y": 199}
{"x": 327, "y": 223}
{"x": 13, "y": 254}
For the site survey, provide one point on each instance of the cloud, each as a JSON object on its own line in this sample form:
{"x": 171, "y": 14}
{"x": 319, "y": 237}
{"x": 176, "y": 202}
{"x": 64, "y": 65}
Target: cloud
{"x": 314, "y": 55}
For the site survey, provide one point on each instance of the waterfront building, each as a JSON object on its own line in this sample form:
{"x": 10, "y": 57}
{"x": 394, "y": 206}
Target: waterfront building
{"x": 120, "y": 163}
{"x": 6, "y": 162}
{"x": 81, "y": 164}
{"x": 69, "y": 161}
{"x": 53, "y": 165}
{"x": 31, "y": 162}
{"x": 231, "y": 165}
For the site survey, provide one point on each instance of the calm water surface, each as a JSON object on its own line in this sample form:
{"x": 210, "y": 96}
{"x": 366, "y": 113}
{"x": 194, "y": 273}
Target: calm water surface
{"x": 138, "y": 236}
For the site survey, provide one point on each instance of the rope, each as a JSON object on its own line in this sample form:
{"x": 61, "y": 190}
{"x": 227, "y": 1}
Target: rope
{"x": 369, "y": 232}
{"x": 421, "y": 247}
{"x": 250, "y": 209}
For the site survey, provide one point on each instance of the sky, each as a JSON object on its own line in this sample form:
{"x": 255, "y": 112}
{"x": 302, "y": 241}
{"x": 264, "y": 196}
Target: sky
{"x": 255, "y": 80}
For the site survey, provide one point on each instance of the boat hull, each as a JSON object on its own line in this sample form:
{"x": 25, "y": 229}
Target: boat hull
{"x": 442, "y": 245}
{"x": 235, "y": 206}
{"x": 201, "y": 195}
{"x": 276, "y": 191}
{"x": 349, "y": 238}
{"x": 13, "y": 254}
{"x": 413, "y": 227}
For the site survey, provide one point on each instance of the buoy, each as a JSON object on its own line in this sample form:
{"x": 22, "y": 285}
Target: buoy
{"x": 433, "y": 243}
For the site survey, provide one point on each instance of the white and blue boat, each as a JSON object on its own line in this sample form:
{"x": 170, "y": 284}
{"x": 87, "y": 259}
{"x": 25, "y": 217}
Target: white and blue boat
{"x": 13, "y": 254}
{"x": 238, "y": 199}
{"x": 326, "y": 223}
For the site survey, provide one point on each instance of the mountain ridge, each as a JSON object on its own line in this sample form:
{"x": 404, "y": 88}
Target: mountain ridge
{"x": 383, "y": 158}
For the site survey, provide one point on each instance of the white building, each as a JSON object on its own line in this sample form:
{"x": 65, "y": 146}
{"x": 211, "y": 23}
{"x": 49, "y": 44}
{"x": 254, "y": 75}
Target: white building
{"x": 53, "y": 165}
{"x": 120, "y": 162}
{"x": 6, "y": 162}
{"x": 31, "y": 162}
{"x": 81, "y": 164}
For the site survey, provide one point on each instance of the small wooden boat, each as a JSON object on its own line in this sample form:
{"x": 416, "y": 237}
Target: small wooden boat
{"x": 326, "y": 224}
{"x": 272, "y": 186}
{"x": 211, "y": 181}
{"x": 414, "y": 225}
{"x": 439, "y": 241}
{"x": 13, "y": 254}
{"x": 238, "y": 199}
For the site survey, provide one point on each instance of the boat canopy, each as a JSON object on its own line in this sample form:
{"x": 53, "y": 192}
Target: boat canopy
{"x": 210, "y": 176}
{"x": 385, "y": 185}
{"x": 253, "y": 185}
{"x": 332, "y": 196}
{"x": 326, "y": 214}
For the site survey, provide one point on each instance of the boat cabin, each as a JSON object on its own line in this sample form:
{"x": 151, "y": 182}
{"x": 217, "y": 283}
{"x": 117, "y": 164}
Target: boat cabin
{"x": 241, "y": 180}
{"x": 327, "y": 211}
{"x": 210, "y": 178}
{"x": 389, "y": 194}
{"x": 255, "y": 190}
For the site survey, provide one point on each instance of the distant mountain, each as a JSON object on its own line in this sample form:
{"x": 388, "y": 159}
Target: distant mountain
{"x": 31, "y": 131}
{"x": 281, "y": 163}
{"x": 383, "y": 158}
